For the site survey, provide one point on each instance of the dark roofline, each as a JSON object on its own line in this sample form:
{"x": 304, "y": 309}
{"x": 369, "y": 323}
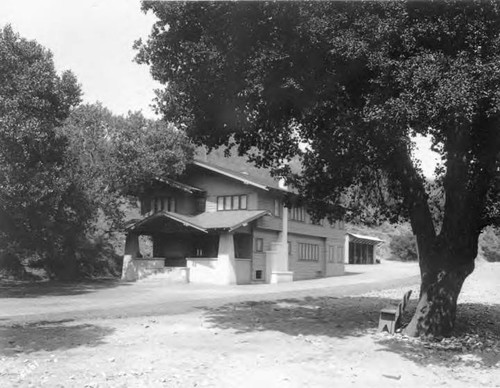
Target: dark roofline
{"x": 247, "y": 179}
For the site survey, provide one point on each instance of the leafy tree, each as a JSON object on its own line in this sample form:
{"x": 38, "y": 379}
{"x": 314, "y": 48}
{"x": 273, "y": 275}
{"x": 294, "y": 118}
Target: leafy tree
{"x": 403, "y": 247}
{"x": 42, "y": 211}
{"x": 353, "y": 81}
{"x": 116, "y": 156}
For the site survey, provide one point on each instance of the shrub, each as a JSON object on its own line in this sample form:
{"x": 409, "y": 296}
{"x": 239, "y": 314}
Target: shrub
{"x": 403, "y": 247}
{"x": 489, "y": 243}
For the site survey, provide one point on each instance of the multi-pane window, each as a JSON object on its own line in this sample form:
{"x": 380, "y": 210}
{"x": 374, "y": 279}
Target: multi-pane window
{"x": 340, "y": 254}
{"x": 277, "y": 208}
{"x": 297, "y": 213}
{"x": 337, "y": 224}
{"x": 232, "y": 202}
{"x": 331, "y": 254}
{"x": 159, "y": 204}
{"x": 335, "y": 254}
{"x": 308, "y": 252}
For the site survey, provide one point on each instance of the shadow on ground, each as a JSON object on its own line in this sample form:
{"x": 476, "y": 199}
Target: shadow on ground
{"x": 477, "y": 332}
{"x": 318, "y": 316}
{"x": 50, "y": 336}
{"x": 22, "y": 289}
{"x": 474, "y": 342}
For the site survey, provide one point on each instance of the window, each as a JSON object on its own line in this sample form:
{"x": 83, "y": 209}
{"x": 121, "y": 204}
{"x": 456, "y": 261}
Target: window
{"x": 331, "y": 254}
{"x": 232, "y": 202}
{"x": 258, "y": 274}
{"x": 159, "y": 204}
{"x": 200, "y": 205}
{"x": 259, "y": 245}
{"x": 308, "y": 252}
{"x": 277, "y": 208}
{"x": 340, "y": 254}
{"x": 289, "y": 248}
{"x": 297, "y": 213}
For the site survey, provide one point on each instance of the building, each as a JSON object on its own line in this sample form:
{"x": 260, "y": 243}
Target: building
{"x": 217, "y": 225}
{"x": 361, "y": 249}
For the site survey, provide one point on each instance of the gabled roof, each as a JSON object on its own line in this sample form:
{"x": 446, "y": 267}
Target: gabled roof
{"x": 358, "y": 238}
{"x": 264, "y": 181}
{"x": 204, "y": 222}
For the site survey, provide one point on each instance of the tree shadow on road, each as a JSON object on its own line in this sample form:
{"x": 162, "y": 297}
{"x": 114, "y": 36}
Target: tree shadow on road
{"x": 346, "y": 317}
{"x": 23, "y": 289}
{"x": 50, "y": 336}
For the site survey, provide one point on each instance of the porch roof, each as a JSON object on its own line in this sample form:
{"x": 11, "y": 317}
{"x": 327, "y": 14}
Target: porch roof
{"x": 360, "y": 239}
{"x": 204, "y": 222}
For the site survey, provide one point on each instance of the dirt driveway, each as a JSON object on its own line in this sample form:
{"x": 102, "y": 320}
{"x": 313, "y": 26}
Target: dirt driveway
{"x": 302, "y": 338}
{"x": 112, "y": 298}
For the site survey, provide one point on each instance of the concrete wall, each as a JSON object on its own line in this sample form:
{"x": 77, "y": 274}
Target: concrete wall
{"x": 243, "y": 268}
{"x": 204, "y": 270}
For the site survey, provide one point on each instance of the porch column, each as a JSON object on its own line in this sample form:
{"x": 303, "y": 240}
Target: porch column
{"x": 226, "y": 264}
{"x": 280, "y": 272}
{"x": 129, "y": 270}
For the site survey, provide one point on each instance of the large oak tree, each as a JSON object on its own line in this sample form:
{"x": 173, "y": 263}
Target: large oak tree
{"x": 354, "y": 81}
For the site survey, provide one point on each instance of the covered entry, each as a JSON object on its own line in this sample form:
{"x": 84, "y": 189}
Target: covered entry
{"x": 213, "y": 247}
{"x": 362, "y": 249}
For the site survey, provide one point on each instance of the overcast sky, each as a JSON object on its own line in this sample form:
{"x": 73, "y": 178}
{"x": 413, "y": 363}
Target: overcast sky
{"x": 94, "y": 38}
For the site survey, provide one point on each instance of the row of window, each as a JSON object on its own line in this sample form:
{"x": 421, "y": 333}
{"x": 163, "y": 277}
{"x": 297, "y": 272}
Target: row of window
{"x": 309, "y": 252}
{"x": 232, "y": 202}
{"x": 236, "y": 202}
{"x": 299, "y": 214}
{"x": 158, "y": 204}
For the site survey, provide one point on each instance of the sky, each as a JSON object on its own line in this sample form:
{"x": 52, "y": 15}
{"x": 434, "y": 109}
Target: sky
{"x": 94, "y": 38}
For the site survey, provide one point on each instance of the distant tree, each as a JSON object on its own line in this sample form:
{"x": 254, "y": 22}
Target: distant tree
{"x": 490, "y": 243}
{"x": 403, "y": 247}
{"x": 42, "y": 212}
{"x": 353, "y": 81}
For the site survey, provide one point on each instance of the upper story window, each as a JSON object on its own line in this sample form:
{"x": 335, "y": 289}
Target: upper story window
{"x": 337, "y": 224}
{"x": 277, "y": 208}
{"x": 159, "y": 204}
{"x": 232, "y": 202}
{"x": 318, "y": 222}
{"x": 297, "y": 213}
{"x": 201, "y": 204}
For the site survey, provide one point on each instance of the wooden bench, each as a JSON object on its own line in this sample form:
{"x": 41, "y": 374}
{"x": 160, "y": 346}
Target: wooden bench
{"x": 390, "y": 316}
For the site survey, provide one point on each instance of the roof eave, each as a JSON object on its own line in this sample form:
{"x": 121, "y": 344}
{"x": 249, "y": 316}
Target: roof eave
{"x": 229, "y": 175}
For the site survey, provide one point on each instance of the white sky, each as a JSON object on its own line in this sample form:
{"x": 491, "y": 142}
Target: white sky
{"x": 94, "y": 38}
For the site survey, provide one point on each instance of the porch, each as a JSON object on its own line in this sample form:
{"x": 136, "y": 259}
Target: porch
{"x": 184, "y": 247}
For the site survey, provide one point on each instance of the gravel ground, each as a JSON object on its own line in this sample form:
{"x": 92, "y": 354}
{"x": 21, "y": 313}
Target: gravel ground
{"x": 315, "y": 341}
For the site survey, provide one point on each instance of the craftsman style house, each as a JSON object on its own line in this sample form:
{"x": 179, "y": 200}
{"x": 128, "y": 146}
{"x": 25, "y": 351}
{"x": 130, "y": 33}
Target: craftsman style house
{"x": 216, "y": 225}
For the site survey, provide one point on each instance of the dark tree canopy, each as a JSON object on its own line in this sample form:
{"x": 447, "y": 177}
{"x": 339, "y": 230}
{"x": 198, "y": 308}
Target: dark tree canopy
{"x": 116, "y": 156}
{"x": 355, "y": 81}
{"x": 65, "y": 166}
{"x": 40, "y": 209}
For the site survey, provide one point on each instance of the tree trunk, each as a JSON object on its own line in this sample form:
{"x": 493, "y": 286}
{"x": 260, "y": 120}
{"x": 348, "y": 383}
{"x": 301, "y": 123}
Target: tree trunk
{"x": 436, "y": 310}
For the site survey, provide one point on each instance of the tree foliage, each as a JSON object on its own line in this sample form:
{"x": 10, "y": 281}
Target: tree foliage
{"x": 352, "y": 82}
{"x": 115, "y": 156}
{"x": 41, "y": 209}
{"x": 64, "y": 167}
